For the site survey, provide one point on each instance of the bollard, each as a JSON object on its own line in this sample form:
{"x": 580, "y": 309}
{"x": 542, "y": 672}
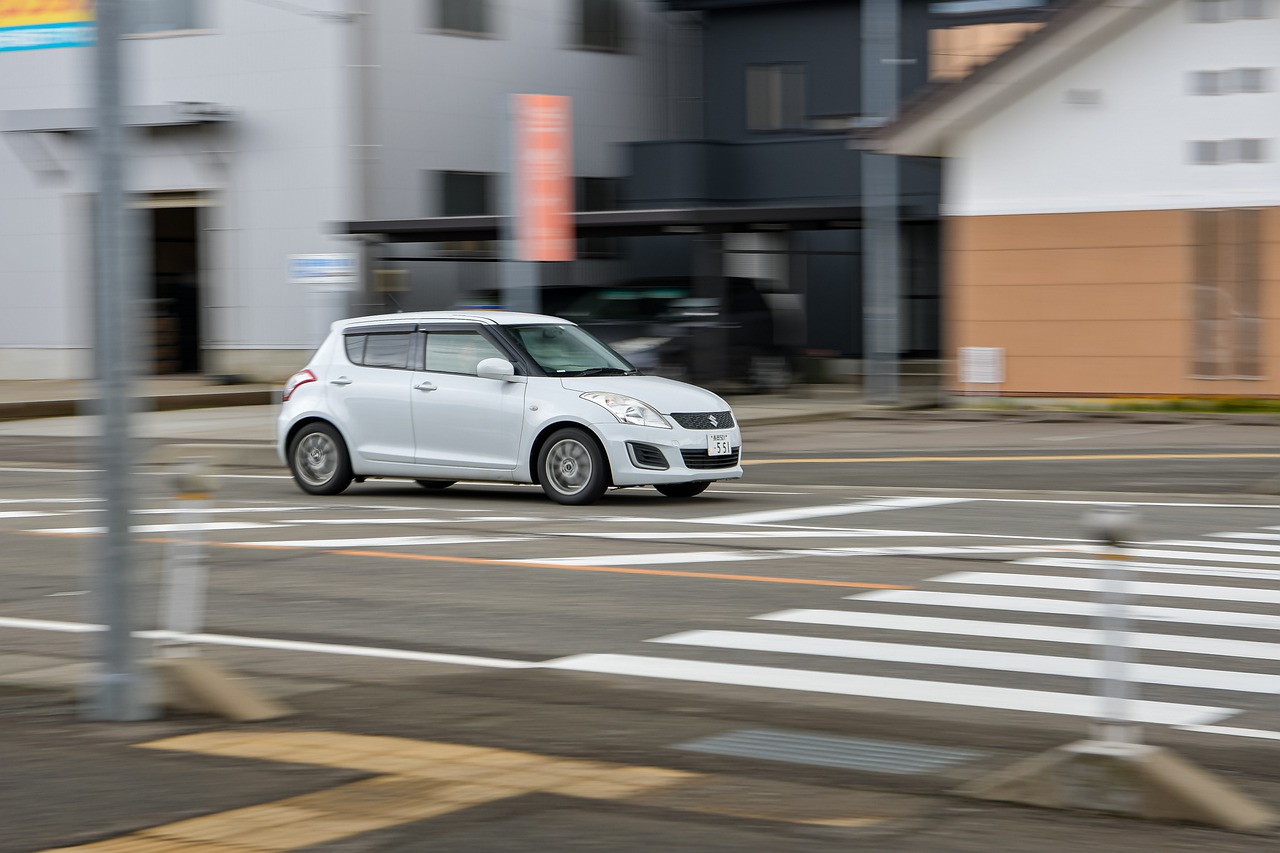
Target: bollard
{"x": 1112, "y": 527}
{"x": 182, "y": 611}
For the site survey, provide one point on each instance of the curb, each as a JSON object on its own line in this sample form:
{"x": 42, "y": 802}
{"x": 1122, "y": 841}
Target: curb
{"x": 32, "y": 409}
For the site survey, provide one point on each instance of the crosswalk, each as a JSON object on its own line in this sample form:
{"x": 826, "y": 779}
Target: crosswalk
{"x": 1017, "y": 635}
{"x": 1022, "y": 638}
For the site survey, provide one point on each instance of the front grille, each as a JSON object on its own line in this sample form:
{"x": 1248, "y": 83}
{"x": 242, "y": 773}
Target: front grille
{"x": 647, "y": 456}
{"x": 702, "y": 420}
{"x": 700, "y": 460}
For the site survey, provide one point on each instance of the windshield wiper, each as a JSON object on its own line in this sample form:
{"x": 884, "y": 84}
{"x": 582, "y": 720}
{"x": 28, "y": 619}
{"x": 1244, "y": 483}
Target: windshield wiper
{"x": 604, "y": 371}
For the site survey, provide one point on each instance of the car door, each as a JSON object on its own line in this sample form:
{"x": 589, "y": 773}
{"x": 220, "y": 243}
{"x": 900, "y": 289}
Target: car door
{"x": 459, "y": 419}
{"x": 370, "y": 382}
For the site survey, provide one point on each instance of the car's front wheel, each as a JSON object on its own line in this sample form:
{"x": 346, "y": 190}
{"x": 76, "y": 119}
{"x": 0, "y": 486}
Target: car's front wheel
{"x": 318, "y": 460}
{"x": 682, "y": 490}
{"x": 572, "y": 468}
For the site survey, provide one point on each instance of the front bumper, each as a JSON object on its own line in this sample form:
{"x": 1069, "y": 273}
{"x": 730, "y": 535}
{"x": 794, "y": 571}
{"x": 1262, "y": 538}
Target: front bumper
{"x": 684, "y": 451}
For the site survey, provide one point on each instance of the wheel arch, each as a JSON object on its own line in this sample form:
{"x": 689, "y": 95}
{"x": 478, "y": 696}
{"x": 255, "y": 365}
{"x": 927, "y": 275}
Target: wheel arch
{"x": 315, "y": 419}
{"x": 547, "y": 430}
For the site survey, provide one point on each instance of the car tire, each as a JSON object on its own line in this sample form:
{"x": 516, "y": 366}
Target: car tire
{"x": 572, "y": 468}
{"x": 435, "y": 485}
{"x": 319, "y": 461}
{"x": 683, "y": 490}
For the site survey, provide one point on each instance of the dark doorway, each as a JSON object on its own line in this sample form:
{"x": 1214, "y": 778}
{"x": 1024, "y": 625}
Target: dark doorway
{"x": 175, "y": 290}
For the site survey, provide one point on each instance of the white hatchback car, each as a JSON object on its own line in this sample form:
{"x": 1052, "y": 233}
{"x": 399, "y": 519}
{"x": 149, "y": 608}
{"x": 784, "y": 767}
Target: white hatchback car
{"x": 439, "y": 397}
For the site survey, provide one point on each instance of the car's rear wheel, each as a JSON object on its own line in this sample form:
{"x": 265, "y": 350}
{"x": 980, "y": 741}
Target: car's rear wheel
{"x": 682, "y": 490}
{"x": 435, "y": 485}
{"x": 319, "y": 461}
{"x": 572, "y": 468}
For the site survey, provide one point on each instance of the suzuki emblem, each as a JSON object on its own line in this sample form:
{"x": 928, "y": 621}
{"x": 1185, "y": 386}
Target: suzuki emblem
{"x": 713, "y": 420}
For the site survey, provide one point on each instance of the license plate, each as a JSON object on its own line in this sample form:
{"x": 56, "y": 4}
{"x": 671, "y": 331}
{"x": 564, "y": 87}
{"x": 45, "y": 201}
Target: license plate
{"x": 718, "y": 444}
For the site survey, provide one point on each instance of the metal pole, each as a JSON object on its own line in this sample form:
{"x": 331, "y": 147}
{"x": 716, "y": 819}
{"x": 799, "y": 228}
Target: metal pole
{"x": 116, "y": 692}
{"x": 1115, "y": 723}
{"x": 880, "y": 273}
{"x": 520, "y": 279}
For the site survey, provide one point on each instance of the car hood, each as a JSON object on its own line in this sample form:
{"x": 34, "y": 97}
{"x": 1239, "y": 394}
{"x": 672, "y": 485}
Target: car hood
{"x": 665, "y": 395}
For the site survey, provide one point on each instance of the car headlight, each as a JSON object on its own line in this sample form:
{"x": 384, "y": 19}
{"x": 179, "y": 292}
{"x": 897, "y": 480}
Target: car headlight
{"x": 628, "y": 410}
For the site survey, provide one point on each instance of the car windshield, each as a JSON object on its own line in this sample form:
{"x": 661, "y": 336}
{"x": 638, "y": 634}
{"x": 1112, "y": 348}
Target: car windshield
{"x": 561, "y": 349}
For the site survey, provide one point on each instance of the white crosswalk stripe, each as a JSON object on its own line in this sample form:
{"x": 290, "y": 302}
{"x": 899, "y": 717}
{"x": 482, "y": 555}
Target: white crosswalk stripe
{"x": 941, "y": 659}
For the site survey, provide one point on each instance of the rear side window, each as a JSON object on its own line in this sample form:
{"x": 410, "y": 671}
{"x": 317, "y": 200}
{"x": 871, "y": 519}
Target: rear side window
{"x": 390, "y": 349}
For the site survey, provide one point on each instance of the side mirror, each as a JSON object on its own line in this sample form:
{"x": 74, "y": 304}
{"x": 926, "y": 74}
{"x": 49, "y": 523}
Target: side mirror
{"x": 497, "y": 368}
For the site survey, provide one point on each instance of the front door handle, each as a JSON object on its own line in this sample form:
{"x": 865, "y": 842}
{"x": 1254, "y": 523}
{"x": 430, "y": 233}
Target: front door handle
{"x": 341, "y": 380}
{"x": 425, "y": 386}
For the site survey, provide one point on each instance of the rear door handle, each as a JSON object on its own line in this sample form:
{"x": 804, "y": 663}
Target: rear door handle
{"x": 425, "y": 386}
{"x": 341, "y": 380}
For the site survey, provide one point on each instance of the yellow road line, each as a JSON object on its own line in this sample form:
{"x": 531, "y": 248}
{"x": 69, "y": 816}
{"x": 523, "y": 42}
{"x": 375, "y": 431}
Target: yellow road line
{"x": 1078, "y": 457}
{"x": 419, "y": 780}
{"x": 508, "y": 564}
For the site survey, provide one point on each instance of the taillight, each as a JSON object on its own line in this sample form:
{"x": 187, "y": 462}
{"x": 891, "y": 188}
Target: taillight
{"x": 296, "y": 381}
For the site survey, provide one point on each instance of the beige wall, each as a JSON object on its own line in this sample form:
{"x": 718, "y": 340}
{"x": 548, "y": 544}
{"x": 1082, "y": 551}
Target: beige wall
{"x": 956, "y": 51}
{"x": 1094, "y": 303}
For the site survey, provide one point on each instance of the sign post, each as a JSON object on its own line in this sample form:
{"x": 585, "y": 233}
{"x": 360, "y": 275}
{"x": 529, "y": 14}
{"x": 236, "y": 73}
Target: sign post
{"x": 540, "y": 195}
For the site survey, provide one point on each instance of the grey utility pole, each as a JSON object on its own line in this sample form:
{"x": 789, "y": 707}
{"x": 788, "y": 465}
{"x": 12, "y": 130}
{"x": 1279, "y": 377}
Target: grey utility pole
{"x": 117, "y": 691}
{"x": 880, "y": 261}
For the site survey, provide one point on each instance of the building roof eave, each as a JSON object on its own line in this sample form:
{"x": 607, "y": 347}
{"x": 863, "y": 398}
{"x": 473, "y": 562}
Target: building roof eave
{"x": 926, "y": 126}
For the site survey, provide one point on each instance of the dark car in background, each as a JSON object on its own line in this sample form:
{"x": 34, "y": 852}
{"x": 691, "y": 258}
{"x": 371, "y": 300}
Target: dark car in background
{"x": 739, "y": 341}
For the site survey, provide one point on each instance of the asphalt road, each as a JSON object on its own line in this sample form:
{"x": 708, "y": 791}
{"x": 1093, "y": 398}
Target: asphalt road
{"x": 943, "y": 593}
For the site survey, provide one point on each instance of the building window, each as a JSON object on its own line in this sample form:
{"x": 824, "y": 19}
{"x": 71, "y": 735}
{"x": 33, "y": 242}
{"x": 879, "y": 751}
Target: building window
{"x": 1227, "y": 327}
{"x": 467, "y": 194}
{"x": 1221, "y": 152}
{"x": 775, "y": 97}
{"x": 161, "y": 16}
{"x": 1231, "y": 81}
{"x": 599, "y": 24}
{"x": 1218, "y": 11}
{"x": 598, "y": 194}
{"x": 462, "y": 16}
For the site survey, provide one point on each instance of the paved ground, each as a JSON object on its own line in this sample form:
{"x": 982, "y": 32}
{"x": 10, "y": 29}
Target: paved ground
{"x": 394, "y": 756}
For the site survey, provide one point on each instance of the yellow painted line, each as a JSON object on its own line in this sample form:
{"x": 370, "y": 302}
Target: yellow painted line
{"x": 619, "y": 570}
{"x": 510, "y": 564}
{"x": 1076, "y": 457}
{"x": 421, "y": 780}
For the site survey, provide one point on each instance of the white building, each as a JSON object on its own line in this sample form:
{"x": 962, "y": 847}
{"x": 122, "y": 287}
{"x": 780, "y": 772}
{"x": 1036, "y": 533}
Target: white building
{"x": 259, "y": 123}
{"x": 1111, "y": 200}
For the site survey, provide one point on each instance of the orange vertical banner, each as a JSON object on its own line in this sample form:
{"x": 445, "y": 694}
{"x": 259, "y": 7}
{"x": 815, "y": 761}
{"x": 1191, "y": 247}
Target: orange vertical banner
{"x": 543, "y": 167}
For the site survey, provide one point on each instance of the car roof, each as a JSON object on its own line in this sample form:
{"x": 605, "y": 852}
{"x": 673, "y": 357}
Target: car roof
{"x": 495, "y": 317}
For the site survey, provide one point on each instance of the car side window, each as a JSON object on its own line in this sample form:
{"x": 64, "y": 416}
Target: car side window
{"x": 380, "y": 350}
{"x": 458, "y": 351}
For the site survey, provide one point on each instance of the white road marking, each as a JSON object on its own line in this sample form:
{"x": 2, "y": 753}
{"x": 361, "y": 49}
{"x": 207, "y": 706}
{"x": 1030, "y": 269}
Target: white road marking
{"x": 1233, "y": 545}
{"x": 18, "y": 513}
{"x": 199, "y": 526}
{"x": 50, "y": 470}
{"x": 1123, "y": 503}
{"x": 659, "y": 559}
{"x": 1167, "y": 590}
{"x": 51, "y": 500}
{"x": 1021, "y": 631}
{"x": 1153, "y": 568}
{"x": 1017, "y": 604}
{"x": 383, "y": 541}
{"x": 1267, "y": 536}
{"x": 914, "y": 551}
{"x": 222, "y": 510}
{"x": 761, "y": 533}
{"x": 1179, "y": 676}
{"x": 269, "y": 643}
{"x": 939, "y": 692}
{"x": 58, "y": 594}
{"x": 795, "y": 513}
{"x": 1232, "y": 731}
